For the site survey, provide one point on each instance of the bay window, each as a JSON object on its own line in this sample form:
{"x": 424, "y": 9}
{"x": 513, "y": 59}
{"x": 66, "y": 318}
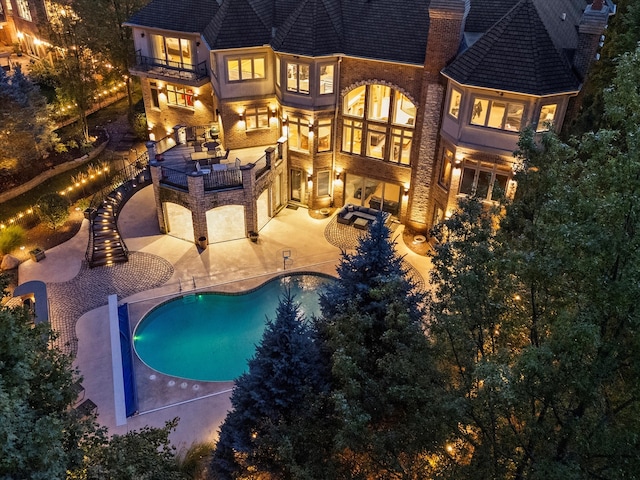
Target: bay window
{"x": 484, "y": 180}
{"x": 454, "y": 103}
{"x": 240, "y": 69}
{"x": 324, "y": 134}
{"x": 546, "y": 118}
{"x": 497, "y": 114}
{"x": 298, "y": 78}
{"x": 299, "y": 134}
{"x": 23, "y": 10}
{"x": 446, "y": 167}
{"x": 326, "y": 79}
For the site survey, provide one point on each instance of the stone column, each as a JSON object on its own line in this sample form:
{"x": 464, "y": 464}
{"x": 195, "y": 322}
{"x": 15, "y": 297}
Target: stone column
{"x": 197, "y": 204}
{"x": 155, "y": 168}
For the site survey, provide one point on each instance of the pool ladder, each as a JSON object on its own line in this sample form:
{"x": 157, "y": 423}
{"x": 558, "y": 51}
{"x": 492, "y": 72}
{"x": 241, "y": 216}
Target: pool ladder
{"x": 193, "y": 280}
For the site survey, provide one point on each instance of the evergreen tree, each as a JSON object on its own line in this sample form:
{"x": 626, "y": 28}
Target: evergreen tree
{"x": 536, "y": 322}
{"x": 26, "y": 132}
{"x": 282, "y": 390}
{"x": 385, "y": 386}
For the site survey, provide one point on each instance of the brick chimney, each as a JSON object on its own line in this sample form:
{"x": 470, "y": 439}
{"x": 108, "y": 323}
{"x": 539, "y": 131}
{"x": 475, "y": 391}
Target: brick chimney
{"x": 591, "y": 26}
{"x": 446, "y": 27}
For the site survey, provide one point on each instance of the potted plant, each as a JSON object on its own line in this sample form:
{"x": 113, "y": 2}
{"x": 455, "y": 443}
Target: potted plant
{"x": 253, "y": 236}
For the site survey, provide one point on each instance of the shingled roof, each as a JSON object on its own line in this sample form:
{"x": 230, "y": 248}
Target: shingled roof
{"x": 314, "y": 28}
{"x": 192, "y": 16}
{"x": 483, "y": 15}
{"x": 239, "y": 23}
{"x": 517, "y": 54}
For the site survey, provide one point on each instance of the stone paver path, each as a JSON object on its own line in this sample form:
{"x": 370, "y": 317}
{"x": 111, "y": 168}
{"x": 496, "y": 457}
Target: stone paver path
{"x": 346, "y": 238}
{"x": 90, "y": 289}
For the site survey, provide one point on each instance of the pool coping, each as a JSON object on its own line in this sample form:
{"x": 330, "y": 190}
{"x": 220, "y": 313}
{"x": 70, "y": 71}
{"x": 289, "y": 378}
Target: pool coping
{"x": 157, "y": 391}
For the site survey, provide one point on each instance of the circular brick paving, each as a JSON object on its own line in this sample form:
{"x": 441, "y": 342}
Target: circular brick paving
{"x": 90, "y": 289}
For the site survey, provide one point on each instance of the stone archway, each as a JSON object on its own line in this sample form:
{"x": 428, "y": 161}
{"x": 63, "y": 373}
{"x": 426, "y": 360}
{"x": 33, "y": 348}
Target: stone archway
{"x": 179, "y": 221}
{"x": 226, "y": 223}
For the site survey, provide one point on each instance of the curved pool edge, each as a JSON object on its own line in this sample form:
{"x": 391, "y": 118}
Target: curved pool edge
{"x": 211, "y": 291}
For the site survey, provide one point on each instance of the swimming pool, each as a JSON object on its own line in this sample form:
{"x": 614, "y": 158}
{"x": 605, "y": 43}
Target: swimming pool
{"x": 210, "y": 336}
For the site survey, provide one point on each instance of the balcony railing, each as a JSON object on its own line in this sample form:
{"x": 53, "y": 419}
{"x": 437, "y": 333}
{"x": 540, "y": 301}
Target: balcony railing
{"x": 168, "y": 68}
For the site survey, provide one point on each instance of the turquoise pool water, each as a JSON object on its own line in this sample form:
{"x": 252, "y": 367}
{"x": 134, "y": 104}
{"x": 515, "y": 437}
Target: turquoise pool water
{"x": 211, "y": 336}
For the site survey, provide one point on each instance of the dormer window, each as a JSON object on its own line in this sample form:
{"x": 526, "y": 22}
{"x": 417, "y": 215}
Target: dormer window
{"x": 454, "y": 103}
{"x": 497, "y": 114}
{"x": 246, "y": 68}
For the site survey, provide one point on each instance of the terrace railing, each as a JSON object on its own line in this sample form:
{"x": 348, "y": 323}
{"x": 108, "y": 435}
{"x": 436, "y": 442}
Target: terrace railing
{"x": 224, "y": 179}
{"x": 162, "y": 66}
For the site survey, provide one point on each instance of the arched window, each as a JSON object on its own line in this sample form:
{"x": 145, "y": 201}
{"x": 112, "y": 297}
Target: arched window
{"x": 384, "y": 118}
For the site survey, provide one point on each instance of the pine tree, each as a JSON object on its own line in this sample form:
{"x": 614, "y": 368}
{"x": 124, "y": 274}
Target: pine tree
{"x": 282, "y": 390}
{"x": 385, "y": 384}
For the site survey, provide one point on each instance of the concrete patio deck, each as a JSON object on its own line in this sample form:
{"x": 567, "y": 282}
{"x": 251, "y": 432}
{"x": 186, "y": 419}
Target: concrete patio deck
{"x": 162, "y": 265}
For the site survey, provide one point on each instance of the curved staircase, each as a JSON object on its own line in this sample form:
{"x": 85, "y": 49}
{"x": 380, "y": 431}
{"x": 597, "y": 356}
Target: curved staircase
{"x": 106, "y": 246}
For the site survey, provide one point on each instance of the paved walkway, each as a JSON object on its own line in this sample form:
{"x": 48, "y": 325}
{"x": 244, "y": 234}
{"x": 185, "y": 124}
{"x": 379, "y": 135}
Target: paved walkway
{"x": 160, "y": 266}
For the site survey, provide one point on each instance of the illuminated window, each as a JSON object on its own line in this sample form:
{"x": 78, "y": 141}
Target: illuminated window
{"x": 445, "y": 169}
{"x": 389, "y": 119}
{"x": 351, "y": 136}
{"x": 497, "y": 114}
{"x": 298, "y": 78}
{"x": 278, "y": 74}
{"x": 179, "y": 95}
{"x": 326, "y": 79}
{"x": 173, "y": 52}
{"x": 23, "y": 9}
{"x": 484, "y": 180}
{"x": 245, "y": 68}
{"x": 299, "y": 134}
{"x": 324, "y": 134}
{"x": 257, "y": 117}
{"x": 454, "y": 103}
{"x": 155, "y": 99}
{"x": 547, "y": 116}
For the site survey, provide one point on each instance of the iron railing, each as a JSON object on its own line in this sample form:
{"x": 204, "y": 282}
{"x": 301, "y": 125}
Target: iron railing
{"x": 162, "y": 66}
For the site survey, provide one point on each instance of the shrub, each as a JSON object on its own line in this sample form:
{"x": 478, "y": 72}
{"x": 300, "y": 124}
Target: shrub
{"x": 10, "y": 238}
{"x": 53, "y": 209}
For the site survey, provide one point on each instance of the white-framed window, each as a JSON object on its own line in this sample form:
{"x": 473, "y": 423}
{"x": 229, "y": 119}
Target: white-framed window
{"x": 547, "y": 117}
{"x": 325, "y": 130}
{"x": 446, "y": 166}
{"x": 499, "y": 114}
{"x": 179, "y": 95}
{"x": 257, "y": 117}
{"x": 323, "y": 181}
{"x": 298, "y": 133}
{"x": 385, "y": 116}
{"x": 172, "y": 51}
{"x": 241, "y": 69}
{"x": 326, "y": 79}
{"x": 298, "y": 78}
{"x": 484, "y": 180}
{"x": 278, "y": 72}
{"x": 23, "y": 9}
{"x": 454, "y": 103}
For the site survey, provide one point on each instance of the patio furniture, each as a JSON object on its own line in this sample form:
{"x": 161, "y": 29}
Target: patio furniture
{"x": 361, "y": 223}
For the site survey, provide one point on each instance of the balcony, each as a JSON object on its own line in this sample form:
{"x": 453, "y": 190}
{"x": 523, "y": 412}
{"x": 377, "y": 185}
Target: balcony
{"x": 162, "y": 69}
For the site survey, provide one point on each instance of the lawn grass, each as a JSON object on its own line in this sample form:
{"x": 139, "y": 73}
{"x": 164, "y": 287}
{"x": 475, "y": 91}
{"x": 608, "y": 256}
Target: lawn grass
{"x": 60, "y": 182}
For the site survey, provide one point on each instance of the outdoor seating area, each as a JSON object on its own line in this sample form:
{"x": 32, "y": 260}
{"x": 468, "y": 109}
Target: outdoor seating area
{"x": 358, "y": 216}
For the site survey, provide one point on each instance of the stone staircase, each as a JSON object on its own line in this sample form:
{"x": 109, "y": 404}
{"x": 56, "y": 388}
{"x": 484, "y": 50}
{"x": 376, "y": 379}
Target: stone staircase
{"x": 106, "y": 246}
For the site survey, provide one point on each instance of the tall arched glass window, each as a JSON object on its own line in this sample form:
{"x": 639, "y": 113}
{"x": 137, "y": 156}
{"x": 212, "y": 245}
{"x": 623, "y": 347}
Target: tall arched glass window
{"x": 384, "y": 118}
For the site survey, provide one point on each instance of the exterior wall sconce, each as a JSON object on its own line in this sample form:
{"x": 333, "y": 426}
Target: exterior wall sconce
{"x": 197, "y": 44}
{"x": 457, "y": 163}
{"x": 285, "y": 121}
{"x": 338, "y": 175}
{"x": 274, "y": 114}
{"x": 309, "y": 178}
{"x": 406, "y": 191}
{"x": 142, "y": 34}
{"x": 241, "y": 116}
{"x": 311, "y": 123}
